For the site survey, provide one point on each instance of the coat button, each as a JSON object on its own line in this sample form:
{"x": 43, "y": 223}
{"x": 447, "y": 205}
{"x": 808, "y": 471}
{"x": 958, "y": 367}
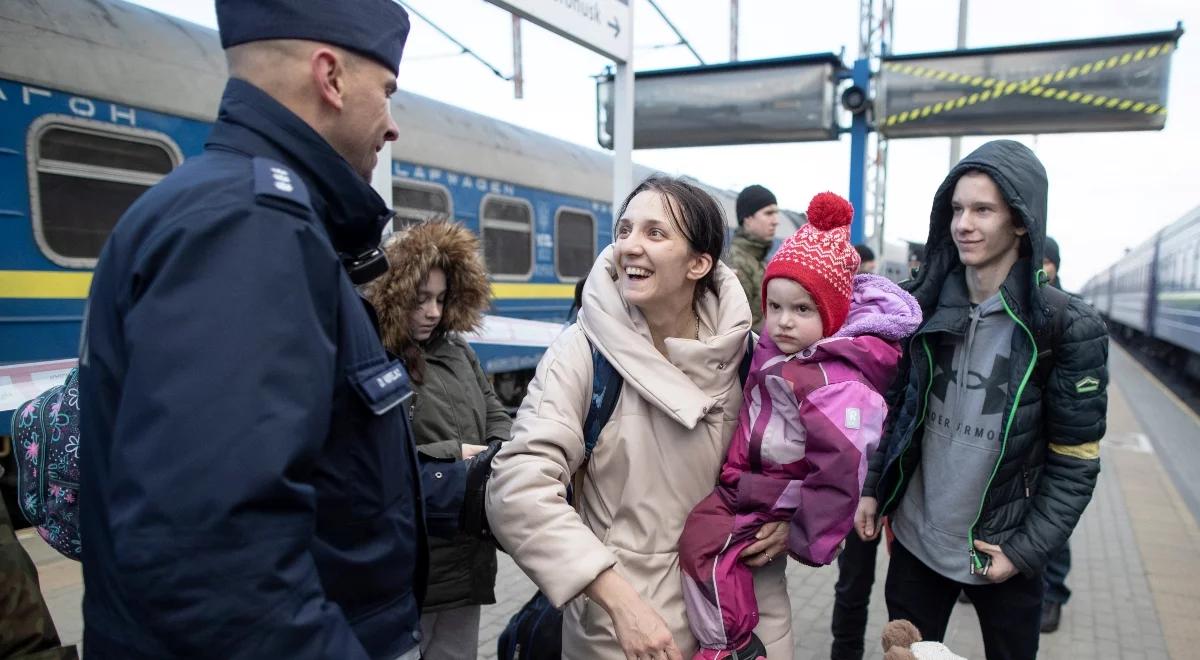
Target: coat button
{"x": 416, "y": 635}
{"x": 437, "y": 475}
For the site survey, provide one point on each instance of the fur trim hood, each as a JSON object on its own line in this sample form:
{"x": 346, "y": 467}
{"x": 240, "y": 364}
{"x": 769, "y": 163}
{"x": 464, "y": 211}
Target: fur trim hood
{"x": 412, "y": 252}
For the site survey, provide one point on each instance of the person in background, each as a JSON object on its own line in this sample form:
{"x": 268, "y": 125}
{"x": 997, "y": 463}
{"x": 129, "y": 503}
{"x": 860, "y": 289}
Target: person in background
{"x": 577, "y": 301}
{"x": 1050, "y": 263}
{"x": 673, "y": 323}
{"x": 250, "y": 487}
{"x": 988, "y": 463}
{"x": 1059, "y": 564}
{"x": 916, "y": 255}
{"x": 437, "y": 288}
{"x": 757, "y": 216}
{"x": 26, "y": 629}
{"x": 812, "y": 413}
{"x": 866, "y": 259}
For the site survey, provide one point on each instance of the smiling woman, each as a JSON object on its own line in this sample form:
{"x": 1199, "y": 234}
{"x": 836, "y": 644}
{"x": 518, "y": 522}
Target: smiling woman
{"x": 673, "y": 321}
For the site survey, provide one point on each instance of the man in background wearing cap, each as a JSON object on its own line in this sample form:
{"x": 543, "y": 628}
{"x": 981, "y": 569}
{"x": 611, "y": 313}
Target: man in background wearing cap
{"x": 758, "y": 215}
{"x": 250, "y": 488}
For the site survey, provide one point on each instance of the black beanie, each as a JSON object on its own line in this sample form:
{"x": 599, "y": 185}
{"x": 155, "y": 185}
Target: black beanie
{"x": 1050, "y": 251}
{"x": 751, "y": 200}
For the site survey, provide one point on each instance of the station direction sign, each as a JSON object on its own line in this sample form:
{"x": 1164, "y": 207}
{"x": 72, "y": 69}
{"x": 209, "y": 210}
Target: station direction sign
{"x": 789, "y": 99}
{"x": 604, "y": 26}
{"x": 1108, "y": 84}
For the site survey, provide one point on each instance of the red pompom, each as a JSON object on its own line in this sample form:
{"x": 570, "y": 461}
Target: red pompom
{"x": 828, "y": 210}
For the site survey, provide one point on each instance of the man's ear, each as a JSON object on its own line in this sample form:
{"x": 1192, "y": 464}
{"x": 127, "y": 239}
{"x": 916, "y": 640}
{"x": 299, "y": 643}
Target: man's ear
{"x": 328, "y": 73}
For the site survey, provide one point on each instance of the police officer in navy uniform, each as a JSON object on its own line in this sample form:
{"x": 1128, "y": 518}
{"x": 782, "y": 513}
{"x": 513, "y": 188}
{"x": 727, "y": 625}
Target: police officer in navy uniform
{"x": 250, "y": 488}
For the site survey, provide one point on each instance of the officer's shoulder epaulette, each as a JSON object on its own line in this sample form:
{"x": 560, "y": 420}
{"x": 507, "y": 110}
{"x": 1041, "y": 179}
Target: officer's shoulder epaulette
{"x": 277, "y": 185}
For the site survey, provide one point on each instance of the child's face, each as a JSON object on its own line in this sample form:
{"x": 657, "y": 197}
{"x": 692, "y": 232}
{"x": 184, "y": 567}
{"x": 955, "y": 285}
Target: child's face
{"x": 792, "y": 320}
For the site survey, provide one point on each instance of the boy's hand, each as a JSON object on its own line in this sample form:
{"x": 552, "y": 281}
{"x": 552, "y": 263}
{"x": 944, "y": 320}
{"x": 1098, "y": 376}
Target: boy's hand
{"x": 1001, "y": 567}
{"x": 865, "y": 522}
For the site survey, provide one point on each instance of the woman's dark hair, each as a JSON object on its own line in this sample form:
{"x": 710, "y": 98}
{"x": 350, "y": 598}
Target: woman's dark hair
{"x": 697, "y": 215}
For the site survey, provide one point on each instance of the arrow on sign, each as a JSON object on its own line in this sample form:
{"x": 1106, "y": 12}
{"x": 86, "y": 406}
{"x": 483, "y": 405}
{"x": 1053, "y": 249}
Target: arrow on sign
{"x": 616, "y": 27}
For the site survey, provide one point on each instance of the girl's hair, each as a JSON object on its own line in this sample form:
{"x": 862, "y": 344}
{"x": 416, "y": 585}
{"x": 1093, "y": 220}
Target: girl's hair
{"x": 698, "y": 217}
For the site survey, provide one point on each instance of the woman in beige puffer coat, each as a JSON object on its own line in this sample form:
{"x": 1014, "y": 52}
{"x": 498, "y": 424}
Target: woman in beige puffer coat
{"x": 673, "y": 321}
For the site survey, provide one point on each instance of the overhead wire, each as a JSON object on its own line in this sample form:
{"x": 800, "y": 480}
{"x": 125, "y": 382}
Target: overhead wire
{"x": 682, "y": 39}
{"x": 466, "y": 50}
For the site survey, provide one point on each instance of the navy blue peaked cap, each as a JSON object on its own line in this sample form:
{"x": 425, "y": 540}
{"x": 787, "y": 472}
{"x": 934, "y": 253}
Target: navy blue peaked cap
{"x": 373, "y": 28}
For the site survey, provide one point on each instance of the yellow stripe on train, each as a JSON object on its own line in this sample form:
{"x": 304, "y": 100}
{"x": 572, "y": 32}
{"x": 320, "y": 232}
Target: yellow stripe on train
{"x": 44, "y": 284}
{"x": 74, "y": 285}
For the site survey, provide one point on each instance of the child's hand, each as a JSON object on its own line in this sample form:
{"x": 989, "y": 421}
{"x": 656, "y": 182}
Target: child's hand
{"x": 865, "y": 522}
{"x": 771, "y": 543}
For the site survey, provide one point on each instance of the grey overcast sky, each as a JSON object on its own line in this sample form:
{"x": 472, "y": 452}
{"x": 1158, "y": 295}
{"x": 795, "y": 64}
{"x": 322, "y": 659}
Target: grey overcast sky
{"x": 1108, "y": 191}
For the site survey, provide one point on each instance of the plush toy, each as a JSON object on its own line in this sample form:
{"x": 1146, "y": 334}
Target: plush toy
{"x": 902, "y": 641}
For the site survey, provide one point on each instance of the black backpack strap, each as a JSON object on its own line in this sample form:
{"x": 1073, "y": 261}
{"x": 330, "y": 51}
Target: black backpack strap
{"x": 1048, "y": 336}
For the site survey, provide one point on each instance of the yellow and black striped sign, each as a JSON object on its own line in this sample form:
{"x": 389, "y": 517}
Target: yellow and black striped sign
{"x": 1117, "y": 84}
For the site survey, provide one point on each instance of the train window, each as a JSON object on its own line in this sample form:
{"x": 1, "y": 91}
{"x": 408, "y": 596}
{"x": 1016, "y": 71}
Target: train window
{"x": 574, "y": 243}
{"x": 83, "y": 176}
{"x": 417, "y": 202}
{"x": 507, "y": 227}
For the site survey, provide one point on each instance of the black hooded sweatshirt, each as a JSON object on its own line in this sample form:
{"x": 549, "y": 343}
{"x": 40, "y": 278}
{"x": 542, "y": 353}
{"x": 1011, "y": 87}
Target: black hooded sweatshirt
{"x": 1053, "y": 417}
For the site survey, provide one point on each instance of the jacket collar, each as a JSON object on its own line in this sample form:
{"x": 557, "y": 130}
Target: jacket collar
{"x": 954, "y": 301}
{"x": 754, "y": 246}
{"x": 253, "y": 123}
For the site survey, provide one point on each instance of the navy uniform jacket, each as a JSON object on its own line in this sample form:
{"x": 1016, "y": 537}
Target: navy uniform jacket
{"x": 250, "y": 487}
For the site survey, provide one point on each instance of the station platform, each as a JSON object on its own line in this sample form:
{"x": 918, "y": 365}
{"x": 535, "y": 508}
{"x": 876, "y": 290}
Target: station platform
{"x": 1136, "y": 590}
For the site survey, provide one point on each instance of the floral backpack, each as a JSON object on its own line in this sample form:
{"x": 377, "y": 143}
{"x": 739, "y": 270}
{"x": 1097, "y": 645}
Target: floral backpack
{"x": 45, "y": 432}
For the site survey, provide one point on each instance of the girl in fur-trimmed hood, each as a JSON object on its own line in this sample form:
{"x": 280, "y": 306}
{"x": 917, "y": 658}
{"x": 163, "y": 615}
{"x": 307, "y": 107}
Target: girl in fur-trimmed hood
{"x": 436, "y": 288}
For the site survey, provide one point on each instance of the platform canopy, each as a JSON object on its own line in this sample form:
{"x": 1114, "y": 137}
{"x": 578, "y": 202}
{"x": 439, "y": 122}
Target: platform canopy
{"x": 786, "y": 99}
{"x": 1106, "y": 84}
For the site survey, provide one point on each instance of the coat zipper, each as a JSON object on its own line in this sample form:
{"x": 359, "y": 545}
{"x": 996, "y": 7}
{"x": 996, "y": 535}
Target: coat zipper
{"x": 920, "y": 420}
{"x": 976, "y": 564}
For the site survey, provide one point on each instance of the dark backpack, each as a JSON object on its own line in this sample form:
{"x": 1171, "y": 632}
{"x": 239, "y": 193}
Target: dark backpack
{"x": 45, "y": 433}
{"x": 535, "y": 631}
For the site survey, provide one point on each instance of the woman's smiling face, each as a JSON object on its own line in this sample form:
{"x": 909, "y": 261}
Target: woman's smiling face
{"x": 655, "y": 263}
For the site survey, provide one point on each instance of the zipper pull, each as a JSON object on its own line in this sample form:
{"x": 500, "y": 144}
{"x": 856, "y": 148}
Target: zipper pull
{"x": 978, "y": 567}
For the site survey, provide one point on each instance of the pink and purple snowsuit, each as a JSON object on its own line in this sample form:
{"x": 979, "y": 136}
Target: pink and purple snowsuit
{"x": 809, "y": 422}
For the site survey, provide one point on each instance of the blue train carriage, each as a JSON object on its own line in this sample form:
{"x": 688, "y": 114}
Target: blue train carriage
{"x": 1176, "y": 300}
{"x": 1132, "y": 281}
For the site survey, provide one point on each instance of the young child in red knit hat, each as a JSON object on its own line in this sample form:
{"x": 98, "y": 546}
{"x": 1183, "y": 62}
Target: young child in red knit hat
{"x": 812, "y": 413}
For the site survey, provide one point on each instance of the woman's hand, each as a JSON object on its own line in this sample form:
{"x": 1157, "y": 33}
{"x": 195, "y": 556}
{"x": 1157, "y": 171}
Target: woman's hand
{"x": 771, "y": 543}
{"x": 641, "y": 631}
{"x": 864, "y": 519}
{"x": 470, "y": 450}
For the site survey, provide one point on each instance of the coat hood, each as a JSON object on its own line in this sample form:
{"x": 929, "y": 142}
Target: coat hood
{"x": 1021, "y": 178}
{"x": 686, "y": 386}
{"x": 879, "y": 307}
{"x": 412, "y": 252}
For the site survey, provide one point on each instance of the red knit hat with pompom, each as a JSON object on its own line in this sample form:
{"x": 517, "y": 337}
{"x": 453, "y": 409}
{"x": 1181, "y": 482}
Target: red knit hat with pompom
{"x": 820, "y": 258}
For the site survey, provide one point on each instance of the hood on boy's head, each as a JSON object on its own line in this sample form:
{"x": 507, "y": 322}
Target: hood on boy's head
{"x": 1021, "y": 178}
